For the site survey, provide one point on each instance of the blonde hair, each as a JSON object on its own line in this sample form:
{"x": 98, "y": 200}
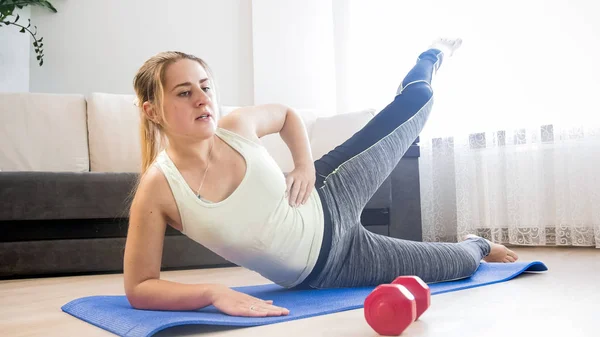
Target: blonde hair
{"x": 148, "y": 84}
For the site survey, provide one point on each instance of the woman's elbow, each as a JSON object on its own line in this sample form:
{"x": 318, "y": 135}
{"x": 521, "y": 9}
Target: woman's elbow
{"x": 134, "y": 297}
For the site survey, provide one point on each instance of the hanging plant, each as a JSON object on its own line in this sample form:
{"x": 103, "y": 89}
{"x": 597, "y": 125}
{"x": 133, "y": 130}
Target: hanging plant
{"x": 7, "y": 7}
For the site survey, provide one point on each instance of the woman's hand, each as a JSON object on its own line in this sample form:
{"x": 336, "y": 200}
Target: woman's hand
{"x": 300, "y": 183}
{"x": 236, "y": 303}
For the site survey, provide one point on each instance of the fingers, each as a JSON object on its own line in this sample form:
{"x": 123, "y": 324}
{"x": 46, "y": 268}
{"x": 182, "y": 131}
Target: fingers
{"x": 235, "y": 303}
{"x": 294, "y": 192}
{"x": 293, "y": 189}
{"x": 289, "y": 181}
{"x": 298, "y": 190}
{"x": 307, "y": 189}
{"x": 264, "y": 308}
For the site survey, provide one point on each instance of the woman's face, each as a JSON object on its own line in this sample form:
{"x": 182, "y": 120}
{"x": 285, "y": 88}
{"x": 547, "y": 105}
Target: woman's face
{"x": 189, "y": 100}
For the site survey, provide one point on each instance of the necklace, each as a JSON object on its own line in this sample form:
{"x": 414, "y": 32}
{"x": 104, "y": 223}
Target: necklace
{"x": 205, "y": 170}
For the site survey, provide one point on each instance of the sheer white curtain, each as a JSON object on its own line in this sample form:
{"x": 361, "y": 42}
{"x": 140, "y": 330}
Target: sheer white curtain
{"x": 511, "y": 149}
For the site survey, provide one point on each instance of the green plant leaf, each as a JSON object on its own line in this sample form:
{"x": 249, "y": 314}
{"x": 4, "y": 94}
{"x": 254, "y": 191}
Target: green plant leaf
{"x": 6, "y": 10}
{"x": 49, "y": 6}
{"x": 7, "y": 7}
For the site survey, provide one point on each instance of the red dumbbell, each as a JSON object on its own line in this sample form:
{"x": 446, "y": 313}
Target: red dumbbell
{"x": 389, "y": 309}
{"x": 419, "y": 289}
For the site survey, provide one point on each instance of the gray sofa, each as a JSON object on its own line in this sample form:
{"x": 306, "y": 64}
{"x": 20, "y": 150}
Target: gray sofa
{"x": 72, "y": 223}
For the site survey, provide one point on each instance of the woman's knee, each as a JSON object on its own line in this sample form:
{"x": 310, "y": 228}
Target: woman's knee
{"x": 418, "y": 90}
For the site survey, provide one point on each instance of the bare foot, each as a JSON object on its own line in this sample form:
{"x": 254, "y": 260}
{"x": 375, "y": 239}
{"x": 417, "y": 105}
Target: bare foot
{"x": 498, "y": 253}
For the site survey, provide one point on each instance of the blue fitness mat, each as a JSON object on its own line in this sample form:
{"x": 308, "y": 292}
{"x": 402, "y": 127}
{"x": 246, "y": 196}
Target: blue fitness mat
{"x": 113, "y": 313}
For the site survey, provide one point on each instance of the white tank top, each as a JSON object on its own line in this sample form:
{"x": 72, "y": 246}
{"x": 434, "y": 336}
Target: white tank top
{"x": 255, "y": 227}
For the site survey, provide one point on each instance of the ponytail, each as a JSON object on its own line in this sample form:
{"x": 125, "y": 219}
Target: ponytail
{"x": 149, "y": 142}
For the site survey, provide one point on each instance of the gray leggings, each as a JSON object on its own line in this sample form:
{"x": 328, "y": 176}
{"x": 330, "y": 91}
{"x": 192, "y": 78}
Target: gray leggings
{"x": 349, "y": 175}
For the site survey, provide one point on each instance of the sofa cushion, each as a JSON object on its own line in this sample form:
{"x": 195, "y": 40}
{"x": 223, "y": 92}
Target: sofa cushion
{"x": 43, "y": 132}
{"x": 329, "y": 132}
{"x": 113, "y": 125}
{"x": 113, "y": 122}
{"x": 279, "y": 150}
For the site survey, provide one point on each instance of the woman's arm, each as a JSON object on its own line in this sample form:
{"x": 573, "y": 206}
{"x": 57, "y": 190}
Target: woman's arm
{"x": 255, "y": 122}
{"x": 258, "y": 121}
{"x": 143, "y": 253}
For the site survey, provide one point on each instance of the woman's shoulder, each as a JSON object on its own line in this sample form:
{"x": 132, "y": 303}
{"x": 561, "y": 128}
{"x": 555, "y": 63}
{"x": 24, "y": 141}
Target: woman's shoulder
{"x": 152, "y": 187}
{"x": 153, "y": 193}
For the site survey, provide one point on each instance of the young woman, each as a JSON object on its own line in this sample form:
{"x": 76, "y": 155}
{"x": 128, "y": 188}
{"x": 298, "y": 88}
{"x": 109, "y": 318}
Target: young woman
{"x": 208, "y": 177}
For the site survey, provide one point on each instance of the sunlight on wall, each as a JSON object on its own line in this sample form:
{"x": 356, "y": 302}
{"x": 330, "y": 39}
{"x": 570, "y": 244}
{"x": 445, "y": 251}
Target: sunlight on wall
{"x": 522, "y": 62}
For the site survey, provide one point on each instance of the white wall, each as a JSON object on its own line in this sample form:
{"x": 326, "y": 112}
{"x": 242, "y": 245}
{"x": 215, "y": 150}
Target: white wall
{"x": 341, "y": 16}
{"x": 14, "y": 55}
{"x": 97, "y": 45}
{"x": 262, "y": 51}
{"x": 522, "y": 62}
{"x": 294, "y": 53}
